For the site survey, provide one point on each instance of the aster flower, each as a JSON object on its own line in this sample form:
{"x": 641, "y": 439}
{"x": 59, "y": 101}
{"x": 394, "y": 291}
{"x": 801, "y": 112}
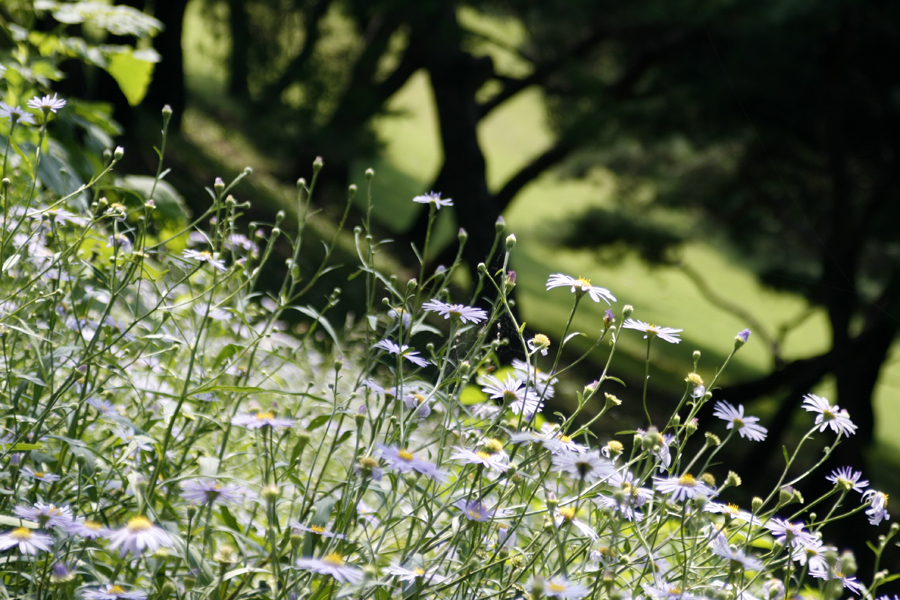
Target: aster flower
{"x": 417, "y": 574}
{"x": 207, "y": 257}
{"x": 812, "y": 552}
{"x": 737, "y": 556}
{"x": 746, "y": 426}
{"x": 47, "y": 104}
{"x": 334, "y": 565}
{"x": 580, "y": 287}
{"x": 549, "y": 438}
{"x": 494, "y": 462}
{"x": 41, "y": 476}
{"x": 417, "y": 401}
{"x": 667, "y": 334}
{"x": 539, "y": 343}
{"x": 121, "y": 242}
{"x": 27, "y": 541}
{"x": 567, "y": 515}
{"x": 61, "y": 573}
{"x": 138, "y": 535}
{"x": 87, "y": 529}
{"x": 433, "y": 198}
{"x": 828, "y": 415}
{"x": 513, "y": 392}
{"x": 112, "y": 592}
{"x": 404, "y": 461}
{"x": 877, "y": 510}
{"x": 848, "y": 479}
{"x": 541, "y": 382}
{"x": 557, "y": 587}
{"x": 683, "y": 488}
{"x": 586, "y": 466}
{"x": 732, "y": 511}
{"x": 466, "y": 314}
{"x": 368, "y": 467}
{"x": 627, "y": 496}
{"x": 45, "y": 515}
{"x": 664, "y": 590}
{"x": 262, "y": 419}
{"x": 475, "y": 510}
{"x": 15, "y": 114}
{"x": 787, "y": 533}
{"x": 319, "y": 531}
{"x": 389, "y": 393}
{"x": 392, "y": 348}
{"x": 833, "y": 573}
{"x": 210, "y": 491}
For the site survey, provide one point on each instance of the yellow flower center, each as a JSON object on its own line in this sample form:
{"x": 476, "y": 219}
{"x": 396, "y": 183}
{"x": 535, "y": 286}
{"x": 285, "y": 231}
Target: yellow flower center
{"x": 419, "y": 571}
{"x": 115, "y": 589}
{"x": 39, "y": 474}
{"x": 92, "y": 525}
{"x": 509, "y": 396}
{"x": 419, "y": 398}
{"x": 556, "y": 587}
{"x": 205, "y": 255}
{"x": 262, "y": 416}
{"x": 20, "y": 533}
{"x": 567, "y": 513}
{"x": 317, "y": 529}
{"x": 733, "y": 509}
{"x": 334, "y": 559}
{"x": 368, "y": 462}
{"x": 405, "y": 455}
{"x": 493, "y": 446}
{"x": 139, "y": 524}
{"x": 482, "y": 455}
{"x": 565, "y": 439}
{"x": 541, "y": 341}
{"x": 687, "y": 479}
{"x": 583, "y": 282}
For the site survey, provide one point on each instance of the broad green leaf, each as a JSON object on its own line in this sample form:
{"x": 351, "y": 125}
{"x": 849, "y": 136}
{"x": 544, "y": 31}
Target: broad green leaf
{"x": 132, "y": 74}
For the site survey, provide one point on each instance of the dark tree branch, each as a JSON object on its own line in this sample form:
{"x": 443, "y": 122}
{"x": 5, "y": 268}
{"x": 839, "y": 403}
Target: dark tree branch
{"x": 541, "y": 71}
{"x": 297, "y": 67}
{"x": 547, "y": 159}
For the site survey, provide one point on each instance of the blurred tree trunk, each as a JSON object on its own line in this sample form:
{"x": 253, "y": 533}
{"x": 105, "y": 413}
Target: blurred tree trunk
{"x": 239, "y": 60}
{"x": 167, "y": 86}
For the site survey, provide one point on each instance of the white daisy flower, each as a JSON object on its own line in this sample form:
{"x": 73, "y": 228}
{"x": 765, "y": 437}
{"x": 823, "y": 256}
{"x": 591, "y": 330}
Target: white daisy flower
{"x": 433, "y": 198}
{"x": 466, "y": 314}
{"x": 334, "y": 565}
{"x": 138, "y": 535}
{"x": 27, "y": 541}
{"x": 580, "y": 286}
{"x": 513, "y": 392}
{"x": 683, "y": 488}
{"x": 746, "y": 426}
{"x": 828, "y": 415}
{"x": 667, "y": 334}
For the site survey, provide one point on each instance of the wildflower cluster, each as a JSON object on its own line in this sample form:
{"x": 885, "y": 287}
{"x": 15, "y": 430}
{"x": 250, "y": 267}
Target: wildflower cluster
{"x": 166, "y": 433}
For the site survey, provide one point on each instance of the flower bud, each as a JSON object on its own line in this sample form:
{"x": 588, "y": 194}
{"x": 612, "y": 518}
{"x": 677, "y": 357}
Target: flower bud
{"x": 318, "y": 164}
{"x": 712, "y": 439}
{"x": 119, "y": 153}
{"x": 651, "y": 440}
{"x": 741, "y": 338}
{"x": 612, "y": 400}
{"x": 733, "y": 480}
{"x": 219, "y": 185}
{"x": 500, "y": 225}
{"x": 510, "y": 241}
{"x": 271, "y": 493}
{"x": 411, "y": 285}
{"x": 627, "y": 310}
{"x": 848, "y": 563}
{"x": 370, "y": 173}
{"x": 462, "y": 236}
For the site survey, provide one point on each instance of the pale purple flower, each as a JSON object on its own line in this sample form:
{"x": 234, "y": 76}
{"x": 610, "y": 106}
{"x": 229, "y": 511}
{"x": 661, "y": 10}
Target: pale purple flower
{"x": 410, "y": 575}
{"x": 746, "y": 426}
{"x": 112, "y": 592}
{"x": 475, "y": 510}
{"x": 627, "y": 496}
{"x": 27, "y": 541}
{"x": 828, "y": 415}
{"x": 210, "y": 491}
{"x": 207, "y": 257}
{"x": 87, "y": 529}
{"x": 138, "y": 535}
{"x": 683, "y": 488}
{"x": 60, "y": 572}
{"x": 493, "y": 461}
{"x": 550, "y": 438}
{"x": 586, "y": 466}
{"x": 877, "y": 510}
{"x": 334, "y": 565}
{"x": 521, "y": 399}
{"x": 45, "y": 515}
{"x": 317, "y": 530}
{"x": 848, "y": 479}
{"x": 743, "y": 336}
{"x": 261, "y": 419}
{"x": 389, "y": 393}
{"x": 787, "y": 533}
{"x": 812, "y": 552}
{"x": 732, "y": 511}
{"x": 580, "y": 286}
{"x": 737, "y": 556}
{"x": 417, "y": 401}
{"x": 667, "y": 334}
{"x": 404, "y": 461}
{"x": 41, "y": 476}
{"x": 392, "y": 348}
{"x": 433, "y": 198}
{"x": 120, "y": 241}
{"x": 541, "y": 382}
{"x": 47, "y": 103}
{"x": 832, "y": 574}
{"x": 466, "y": 314}
{"x": 566, "y": 515}
{"x": 664, "y": 590}
{"x": 559, "y": 587}
{"x": 15, "y": 114}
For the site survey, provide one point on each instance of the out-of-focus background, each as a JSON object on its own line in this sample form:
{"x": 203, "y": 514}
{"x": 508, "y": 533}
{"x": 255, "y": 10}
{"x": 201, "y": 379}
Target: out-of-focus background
{"x": 719, "y": 164}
